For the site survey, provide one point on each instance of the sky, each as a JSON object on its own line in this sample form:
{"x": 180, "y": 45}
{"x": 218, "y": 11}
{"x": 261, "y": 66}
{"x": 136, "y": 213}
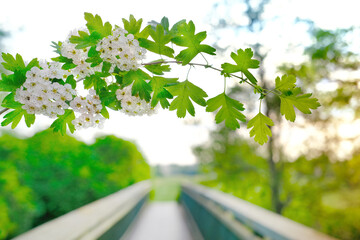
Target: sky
{"x": 162, "y": 138}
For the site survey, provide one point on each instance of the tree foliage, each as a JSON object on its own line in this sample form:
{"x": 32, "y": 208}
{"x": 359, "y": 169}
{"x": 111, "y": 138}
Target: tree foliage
{"x": 316, "y": 192}
{"x": 47, "y": 175}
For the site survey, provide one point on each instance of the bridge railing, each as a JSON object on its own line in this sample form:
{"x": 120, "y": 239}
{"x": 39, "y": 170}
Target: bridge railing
{"x": 222, "y": 216}
{"x": 105, "y": 219}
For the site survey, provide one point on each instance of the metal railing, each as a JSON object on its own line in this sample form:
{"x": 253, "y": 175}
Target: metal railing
{"x": 222, "y": 216}
{"x": 105, "y": 219}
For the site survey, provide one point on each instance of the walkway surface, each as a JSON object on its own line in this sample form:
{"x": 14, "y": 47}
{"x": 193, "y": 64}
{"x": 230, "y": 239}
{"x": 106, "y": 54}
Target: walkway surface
{"x": 160, "y": 221}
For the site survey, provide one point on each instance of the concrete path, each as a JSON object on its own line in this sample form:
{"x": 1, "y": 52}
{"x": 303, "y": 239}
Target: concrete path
{"x": 160, "y": 221}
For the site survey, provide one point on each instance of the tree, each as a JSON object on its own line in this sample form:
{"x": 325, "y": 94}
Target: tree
{"x": 38, "y": 173}
{"x": 271, "y": 104}
{"x": 331, "y": 60}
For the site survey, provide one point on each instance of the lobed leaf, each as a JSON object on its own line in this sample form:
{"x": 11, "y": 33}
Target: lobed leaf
{"x": 140, "y": 86}
{"x": 57, "y": 46}
{"x": 63, "y": 121}
{"x": 303, "y": 102}
{"x": 185, "y": 91}
{"x": 285, "y": 83}
{"x": 229, "y": 110}
{"x": 14, "y": 117}
{"x": 9, "y": 102}
{"x": 188, "y": 38}
{"x": 85, "y": 40}
{"x": 9, "y": 83}
{"x": 158, "y": 69}
{"x": 260, "y": 130}
{"x": 244, "y": 62}
{"x": 95, "y": 25}
{"x": 159, "y": 44}
{"x": 291, "y": 96}
{"x": 161, "y": 94}
{"x": 95, "y": 80}
{"x": 13, "y": 64}
{"x": 133, "y": 26}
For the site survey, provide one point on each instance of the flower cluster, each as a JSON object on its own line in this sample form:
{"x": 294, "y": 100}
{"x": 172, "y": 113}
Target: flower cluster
{"x": 133, "y": 105}
{"x": 121, "y": 50}
{"x": 89, "y": 109}
{"x": 41, "y": 96}
{"x": 78, "y": 56}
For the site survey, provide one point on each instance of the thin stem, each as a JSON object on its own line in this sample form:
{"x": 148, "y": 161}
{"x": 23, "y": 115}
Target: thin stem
{"x": 207, "y": 63}
{"x": 260, "y": 105}
{"x": 4, "y": 110}
{"x": 224, "y": 84}
{"x": 187, "y": 75}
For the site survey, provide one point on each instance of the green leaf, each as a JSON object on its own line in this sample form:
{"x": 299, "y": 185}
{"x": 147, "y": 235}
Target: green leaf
{"x": 10, "y": 83}
{"x": 244, "y": 61}
{"x": 174, "y": 31}
{"x": 70, "y": 80}
{"x": 291, "y": 96}
{"x": 182, "y": 103}
{"x": 158, "y": 85}
{"x": 94, "y": 57}
{"x": 287, "y": 82}
{"x": 158, "y": 45}
{"x": 140, "y": 86}
{"x": 303, "y": 102}
{"x": 95, "y": 24}
{"x": 165, "y": 23}
{"x": 107, "y": 97}
{"x": 33, "y": 63}
{"x": 229, "y": 111}
{"x": 106, "y": 67}
{"x": 260, "y": 129}
{"x": 14, "y": 117}
{"x": 104, "y": 112}
{"x": 68, "y": 62}
{"x": 158, "y": 69}
{"x": 9, "y": 102}
{"x": 144, "y": 33}
{"x": 57, "y": 46}
{"x": 29, "y": 119}
{"x": 68, "y": 66}
{"x": 132, "y": 26}
{"x": 13, "y": 64}
{"x": 192, "y": 42}
{"x": 94, "y": 80}
{"x": 63, "y": 121}
{"x": 85, "y": 40}
{"x": 62, "y": 59}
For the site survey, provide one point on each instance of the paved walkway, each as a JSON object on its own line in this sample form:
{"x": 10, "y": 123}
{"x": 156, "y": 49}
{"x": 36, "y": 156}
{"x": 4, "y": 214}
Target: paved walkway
{"x": 160, "y": 221}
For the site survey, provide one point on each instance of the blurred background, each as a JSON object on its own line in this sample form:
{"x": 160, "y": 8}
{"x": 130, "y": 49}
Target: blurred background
{"x": 309, "y": 171}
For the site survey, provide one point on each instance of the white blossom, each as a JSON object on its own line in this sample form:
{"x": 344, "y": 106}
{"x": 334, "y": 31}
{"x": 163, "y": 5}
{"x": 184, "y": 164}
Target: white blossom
{"x": 87, "y": 110}
{"x": 133, "y": 105}
{"x": 40, "y": 96}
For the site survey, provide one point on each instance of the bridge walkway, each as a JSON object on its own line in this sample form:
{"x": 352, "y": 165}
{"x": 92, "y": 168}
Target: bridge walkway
{"x": 162, "y": 221}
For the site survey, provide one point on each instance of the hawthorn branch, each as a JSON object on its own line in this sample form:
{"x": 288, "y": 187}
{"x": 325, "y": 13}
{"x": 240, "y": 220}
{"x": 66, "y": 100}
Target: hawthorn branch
{"x": 201, "y": 65}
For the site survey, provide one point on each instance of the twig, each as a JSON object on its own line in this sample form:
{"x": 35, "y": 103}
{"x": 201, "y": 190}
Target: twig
{"x": 3, "y": 110}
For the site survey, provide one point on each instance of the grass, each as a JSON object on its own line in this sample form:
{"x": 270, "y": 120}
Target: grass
{"x": 169, "y": 188}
